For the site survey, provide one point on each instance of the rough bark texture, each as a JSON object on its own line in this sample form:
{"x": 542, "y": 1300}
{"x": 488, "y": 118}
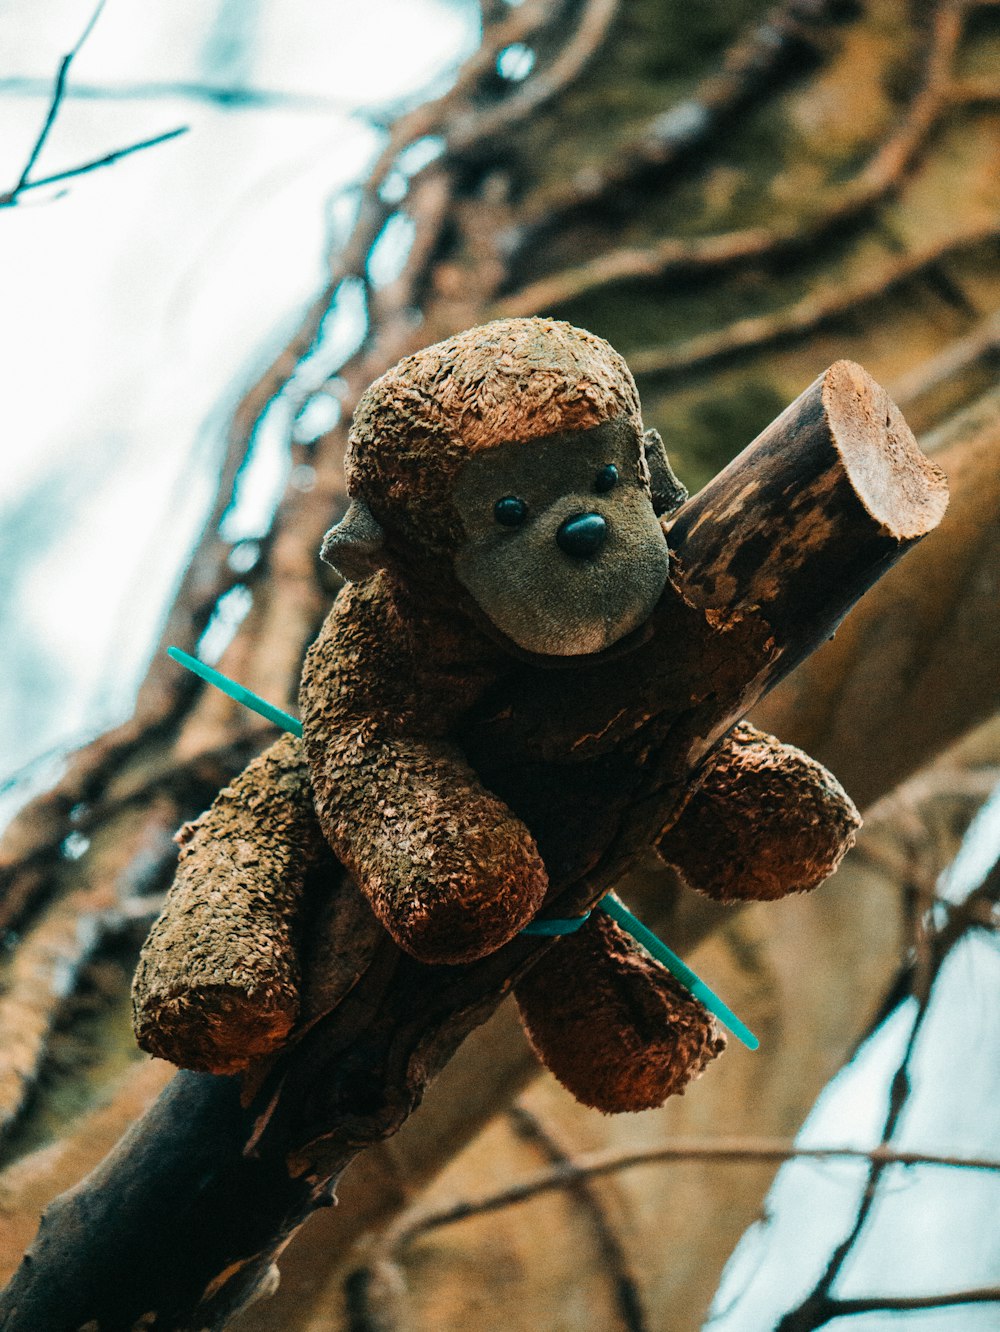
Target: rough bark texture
{"x": 358, "y": 1072}
{"x": 923, "y": 645}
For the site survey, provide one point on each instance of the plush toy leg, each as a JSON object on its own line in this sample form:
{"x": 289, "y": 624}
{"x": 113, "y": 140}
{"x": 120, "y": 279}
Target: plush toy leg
{"x": 766, "y": 821}
{"x": 613, "y": 1025}
{"x": 218, "y": 979}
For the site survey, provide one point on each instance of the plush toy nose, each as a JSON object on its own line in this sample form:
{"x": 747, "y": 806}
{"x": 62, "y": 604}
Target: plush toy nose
{"x": 582, "y": 535}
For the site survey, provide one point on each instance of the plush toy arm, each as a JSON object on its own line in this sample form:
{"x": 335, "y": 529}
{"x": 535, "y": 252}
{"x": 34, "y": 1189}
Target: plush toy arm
{"x": 615, "y": 1027}
{"x": 450, "y": 872}
{"x": 218, "y": 978}
{"x": 767, "y": 820}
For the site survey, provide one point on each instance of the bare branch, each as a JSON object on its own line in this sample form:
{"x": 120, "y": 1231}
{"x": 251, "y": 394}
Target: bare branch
{"x": 747, "y": 1151}
{"x": 11, "y": 197}
{"x": 815, "y": 1308}
{"x": 228, "y": 96}
{"x": 747, "y": 68}
{"x": 880, "y": 177}
{"x": 98, "y": 162}
{"x": 887, "y": 1303}
{"x": 821, "y": 305}
{"x": 548, "y": 83}
{"x": 54, "y": 104}
{"x": 616, "y": 1260}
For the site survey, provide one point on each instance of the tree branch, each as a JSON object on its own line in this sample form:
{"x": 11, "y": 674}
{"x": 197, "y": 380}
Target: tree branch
{"x": 749, "y": 66}
{"x": 823, "y": 304}
{"x": 107, "y": 160}
{"x": 56, "y": 101}
{"x": 11, "y": 197}
{"x": 839, "y": 1308}
{"x": 814, "y": 1310}
{"x": 879, "y": 178}
{"x": 593, "y": 1165}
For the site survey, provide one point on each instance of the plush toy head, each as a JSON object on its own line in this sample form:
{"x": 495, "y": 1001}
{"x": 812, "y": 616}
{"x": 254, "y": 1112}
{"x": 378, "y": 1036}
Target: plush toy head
{"x": 509, "y": 465}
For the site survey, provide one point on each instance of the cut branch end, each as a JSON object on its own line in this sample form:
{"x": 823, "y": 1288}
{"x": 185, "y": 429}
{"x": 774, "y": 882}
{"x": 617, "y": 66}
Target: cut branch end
{"x": 898, "y": 485}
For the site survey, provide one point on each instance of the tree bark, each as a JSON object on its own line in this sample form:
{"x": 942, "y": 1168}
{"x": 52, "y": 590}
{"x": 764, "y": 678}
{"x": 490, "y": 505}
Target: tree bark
{"x": 923, "y": 647}
{"x": 184, "y": 1219}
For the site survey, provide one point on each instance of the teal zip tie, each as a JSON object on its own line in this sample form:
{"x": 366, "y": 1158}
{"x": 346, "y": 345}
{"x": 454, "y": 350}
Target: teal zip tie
{"x": 688, "y": 978}
{"x": 654, "y": 946}
{"x": 236, "y": 691}
{"x": 554, "y": 926}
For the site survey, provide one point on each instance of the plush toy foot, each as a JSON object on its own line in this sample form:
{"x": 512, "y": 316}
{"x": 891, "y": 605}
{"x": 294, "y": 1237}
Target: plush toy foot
{"x": 218, "y": 979}
{"x": 767, "y": 820}
{"x": 614, "y": 1026}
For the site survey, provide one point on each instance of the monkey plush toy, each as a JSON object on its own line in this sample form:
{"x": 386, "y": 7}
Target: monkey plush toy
{"x": 508, "y": 518}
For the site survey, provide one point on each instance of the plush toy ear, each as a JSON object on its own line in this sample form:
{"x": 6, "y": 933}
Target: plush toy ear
{"x": 668, "y": 493}
{"x": 354, "y": 547}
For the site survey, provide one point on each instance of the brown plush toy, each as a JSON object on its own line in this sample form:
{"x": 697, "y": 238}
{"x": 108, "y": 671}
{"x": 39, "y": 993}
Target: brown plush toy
{"x": 508, "y": 519}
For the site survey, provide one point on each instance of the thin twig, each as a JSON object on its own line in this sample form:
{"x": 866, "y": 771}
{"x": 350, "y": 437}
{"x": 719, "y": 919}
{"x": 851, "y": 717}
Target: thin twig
{"x": 623, "y": 1279}
{"x": 57, "y": 97}
{"x": 227, "y": 96}
{"x": 815, "y": 1309}
{"x": 719, "y": 1150}
{"x": 11, "y": 197}
{"x": 115, "y": 156}
{"x": 887, "y": 1303}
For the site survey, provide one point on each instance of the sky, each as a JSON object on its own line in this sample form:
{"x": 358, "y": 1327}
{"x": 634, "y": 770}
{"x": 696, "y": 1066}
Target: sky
{"x": 140, "y": 299}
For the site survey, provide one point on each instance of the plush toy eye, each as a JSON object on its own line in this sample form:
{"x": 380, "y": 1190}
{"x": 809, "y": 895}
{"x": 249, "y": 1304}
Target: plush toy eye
{"x": 510, "y": 511}
{"x": 606, "y": 479}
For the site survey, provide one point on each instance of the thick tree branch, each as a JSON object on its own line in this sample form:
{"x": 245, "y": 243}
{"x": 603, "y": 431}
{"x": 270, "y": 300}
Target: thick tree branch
{"x": 913, "y": 668}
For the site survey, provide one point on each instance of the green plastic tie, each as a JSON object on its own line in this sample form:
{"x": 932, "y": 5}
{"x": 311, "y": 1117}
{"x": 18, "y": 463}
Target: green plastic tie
{"x": 552, "y": 926}
{"x": 654, "y": 946}
{"x": 245, "y": 696}
{"x": 688, "y": 978}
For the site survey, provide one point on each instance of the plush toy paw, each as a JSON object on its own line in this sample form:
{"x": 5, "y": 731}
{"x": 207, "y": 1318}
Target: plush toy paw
{"x": 766, "y": 821}
{"x": 219, "y": 976}
{"x": 615, "y": 1027}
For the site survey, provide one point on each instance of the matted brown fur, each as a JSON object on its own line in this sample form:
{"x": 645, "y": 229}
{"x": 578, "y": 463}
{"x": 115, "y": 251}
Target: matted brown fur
{"x": 633, "y": 1038}
{"x": 514, "y": 379}
{"x": 767, "y": 821}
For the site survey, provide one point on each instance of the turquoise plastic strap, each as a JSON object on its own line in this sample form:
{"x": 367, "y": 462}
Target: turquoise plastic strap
{"x": 688, "y": 978}
{"x": 554, "y": 926}
{"x": 654, "y": 946}
{"x": 236, "y": 691}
